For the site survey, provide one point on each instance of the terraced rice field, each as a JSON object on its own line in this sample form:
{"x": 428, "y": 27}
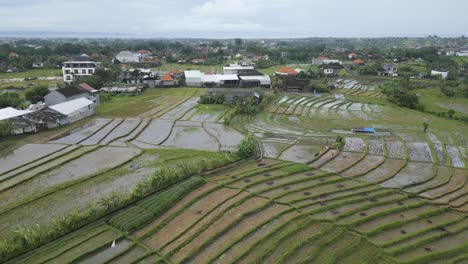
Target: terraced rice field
{"x": 275, "y": 212}
{"x": 396, "y": 196}
{"x": 176, "y": 129}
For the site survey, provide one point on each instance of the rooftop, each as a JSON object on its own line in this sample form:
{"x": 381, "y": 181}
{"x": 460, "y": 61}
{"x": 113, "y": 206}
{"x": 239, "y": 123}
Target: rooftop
{"x": 71, "y": 106}
{"x": 167, "y": 77}
{"x": 286, "y": 70}
{"x": 70, "y": 91}
{"x": 85, "y": 87}
{"x": 10, "y": 112}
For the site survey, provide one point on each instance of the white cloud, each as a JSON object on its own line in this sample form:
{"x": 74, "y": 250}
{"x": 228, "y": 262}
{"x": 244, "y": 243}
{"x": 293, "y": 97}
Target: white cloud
{"x": 243, "y": 18}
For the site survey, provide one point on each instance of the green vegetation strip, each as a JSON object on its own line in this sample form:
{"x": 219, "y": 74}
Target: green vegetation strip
{"x": 144, "y": 211}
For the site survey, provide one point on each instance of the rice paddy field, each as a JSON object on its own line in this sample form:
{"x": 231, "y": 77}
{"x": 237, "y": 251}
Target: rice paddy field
{"x": 398, "y": 195}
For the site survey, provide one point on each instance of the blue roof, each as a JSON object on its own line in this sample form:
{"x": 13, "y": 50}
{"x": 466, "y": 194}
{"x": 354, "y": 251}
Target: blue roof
{"x": 369, "y": 129}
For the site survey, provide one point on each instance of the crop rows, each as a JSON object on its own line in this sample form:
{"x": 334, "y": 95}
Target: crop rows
{"x": 272, "y": 211}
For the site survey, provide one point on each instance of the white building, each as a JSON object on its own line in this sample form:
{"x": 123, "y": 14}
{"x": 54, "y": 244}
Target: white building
{"x": 77, "y": 68}
{"x": 462, "y": 53}
{"x": 444, "y": 75}
{"x": 128, "y": 56}
{"x": 245, "y": 78}
{"x": 265, "y": 80}
{"x": 70, "y": 112}
{"x": 193, "y": 78}
{"x": 235, "y": 68}
{"x": 18, "y": 120}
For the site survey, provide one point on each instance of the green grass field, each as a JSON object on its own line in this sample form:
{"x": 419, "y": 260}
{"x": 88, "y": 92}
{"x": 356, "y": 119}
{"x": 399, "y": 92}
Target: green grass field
{"x": 128, "y": 105}
{"x": 32, "y": 73}
{"x": 435, "y": 101}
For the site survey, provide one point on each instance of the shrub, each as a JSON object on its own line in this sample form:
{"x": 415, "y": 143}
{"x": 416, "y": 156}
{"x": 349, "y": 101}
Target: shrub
{"x": 247, "y": 148}
{"x": 5, "y": 128}
{"x": 213, "y": 99}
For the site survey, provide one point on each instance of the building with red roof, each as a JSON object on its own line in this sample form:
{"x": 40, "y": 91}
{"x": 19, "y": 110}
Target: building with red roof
{"x": 358, "y": 62}
{"x": 319, "y": 60}
{"x": 167, "y": 80}
{"x": 352, "y": 55}
{"x": 286, "y": 71}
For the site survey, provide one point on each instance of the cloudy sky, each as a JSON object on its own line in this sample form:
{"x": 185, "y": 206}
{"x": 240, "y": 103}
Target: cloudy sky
{"x": 238, "y": 18}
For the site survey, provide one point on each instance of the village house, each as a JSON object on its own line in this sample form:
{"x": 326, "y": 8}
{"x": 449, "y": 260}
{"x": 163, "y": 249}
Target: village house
{"x": 198, "y": 61}
{"x": 324, "y": 61}
{"x": 18, "y": 120}
{"x": 66, "y": 113}
{"x": 128, "y": 57}
{"x": 286, "y": 71}
{"x": 144, "y": 54}
{"x": 388, "y": 70}
{"x": 13, "y": 55}
{"x": 168, "y": 80}
{"x": 248, "y": 76}
{"x": 78, "y": 67}
{"x": 235, "y": 68}
{"x": 358, "y": 62}
{"x": 442, "y": 74}
{"x": 319, "y": 60}
{"x": 352, "y": 55}
{"x": 37, "y": 65}
{"x": 62, "y": 95}
{"x": 243, "y": 78}
{"x": 329, "y": 71}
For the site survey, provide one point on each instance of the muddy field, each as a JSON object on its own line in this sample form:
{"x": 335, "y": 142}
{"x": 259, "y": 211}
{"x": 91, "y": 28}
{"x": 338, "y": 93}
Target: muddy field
{"x": 26, "y": 154}
{"x": 191, "y": 138}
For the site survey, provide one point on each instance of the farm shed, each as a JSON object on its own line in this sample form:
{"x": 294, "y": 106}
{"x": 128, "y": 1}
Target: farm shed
{"x": 68, "y": 112}
{"x": 18, "y": 119}
{"x": 193, "y": 78}
{"x": 62, "y": 95}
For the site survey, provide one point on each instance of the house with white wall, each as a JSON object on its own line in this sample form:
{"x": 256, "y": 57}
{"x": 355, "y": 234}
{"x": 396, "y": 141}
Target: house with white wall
{"x": 128, "y": 56}
{"x": 77, "y": 68}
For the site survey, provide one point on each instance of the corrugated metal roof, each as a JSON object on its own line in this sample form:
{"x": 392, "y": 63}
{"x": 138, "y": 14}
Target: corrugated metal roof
{"x": 192, "y": 74}
{"x": 71, "y": 106}
{"x": 10, "y": 112}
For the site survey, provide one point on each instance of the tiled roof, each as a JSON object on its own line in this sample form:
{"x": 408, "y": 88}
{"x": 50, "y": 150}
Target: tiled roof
{"x": 322, "y": 58}
{"x": 70, "y": 91}
{"x": 287, "y": 70}
{"x": 167, "y": 77}
{"x": 85, "y": 87}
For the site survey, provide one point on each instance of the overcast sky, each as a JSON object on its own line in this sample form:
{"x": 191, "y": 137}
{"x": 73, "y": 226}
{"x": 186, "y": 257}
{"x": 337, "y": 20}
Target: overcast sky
{"x": 239, "y": 18}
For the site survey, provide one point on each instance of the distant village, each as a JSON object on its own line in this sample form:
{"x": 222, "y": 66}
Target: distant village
{"x": 76, "y": 98}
